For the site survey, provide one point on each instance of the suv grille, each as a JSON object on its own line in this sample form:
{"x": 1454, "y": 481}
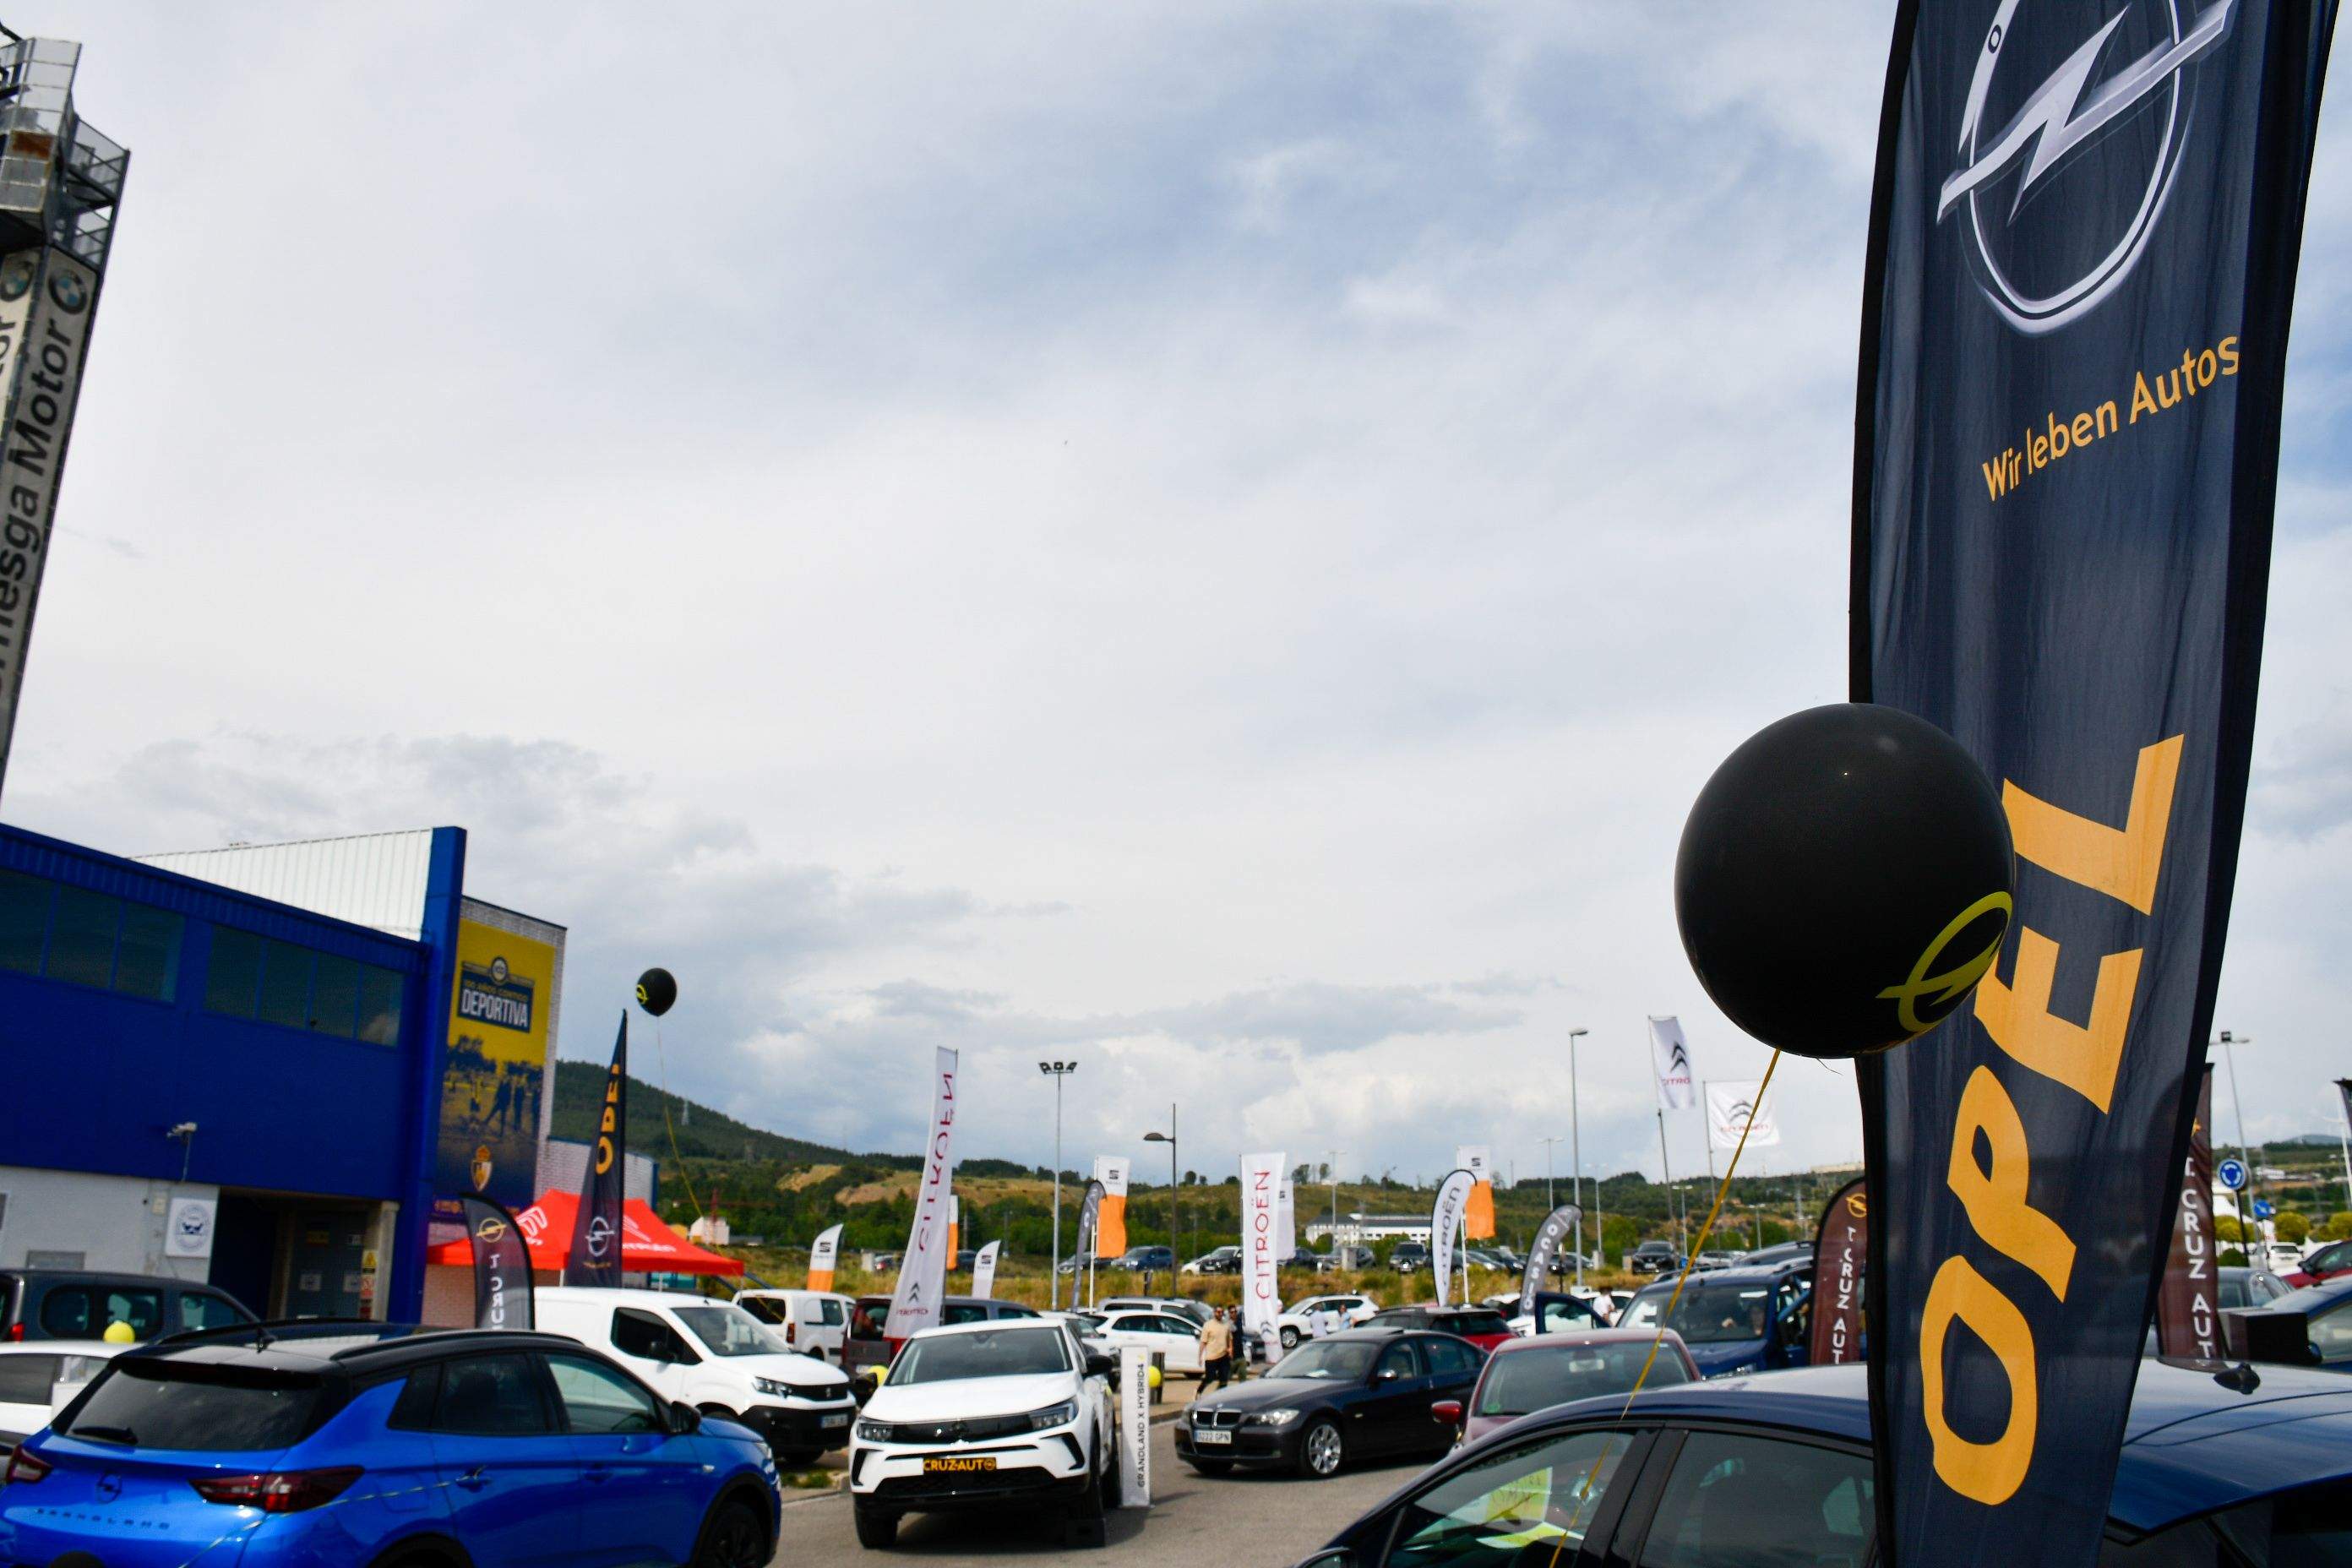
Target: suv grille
{"x": 980, "y": 1430}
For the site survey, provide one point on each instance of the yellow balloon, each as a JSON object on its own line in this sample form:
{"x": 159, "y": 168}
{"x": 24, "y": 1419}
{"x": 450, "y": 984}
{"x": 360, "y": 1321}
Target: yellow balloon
{"x": 1153, "y": 1373}
{"x": 117, "y": 1332}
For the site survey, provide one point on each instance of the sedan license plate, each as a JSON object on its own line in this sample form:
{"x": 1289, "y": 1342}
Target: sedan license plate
{"x": 839, "y": 1419}
{"x": 959, "y": 1465}
{"x": 1212, "y": 1434}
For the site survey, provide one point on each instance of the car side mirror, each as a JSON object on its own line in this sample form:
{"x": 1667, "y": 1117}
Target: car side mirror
{"x": 684, "y": 1417}
{"x": 1446, "y": 1412}
{"x": 1101, "y": 1364}
{"x": 1387, "y": 1374}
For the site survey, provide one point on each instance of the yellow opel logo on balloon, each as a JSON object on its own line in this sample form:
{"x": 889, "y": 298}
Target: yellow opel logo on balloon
{"x": 1944, "y": 989}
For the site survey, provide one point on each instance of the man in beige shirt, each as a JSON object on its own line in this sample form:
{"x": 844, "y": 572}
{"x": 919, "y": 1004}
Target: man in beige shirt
{"x": 1216, "y": 1352}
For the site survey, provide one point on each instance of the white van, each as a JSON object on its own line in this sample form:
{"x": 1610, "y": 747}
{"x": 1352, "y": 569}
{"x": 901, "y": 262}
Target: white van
{"x": 813, "y": 1322}
{"x": 715, "y": 1356}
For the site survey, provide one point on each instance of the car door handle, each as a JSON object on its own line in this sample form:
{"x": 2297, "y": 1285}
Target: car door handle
{"x": 474, "y": 1480}
{"x": 596, "y": 1472}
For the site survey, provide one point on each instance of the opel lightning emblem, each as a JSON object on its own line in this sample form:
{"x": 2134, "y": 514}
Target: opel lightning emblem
{"x": 2064, "y": 119}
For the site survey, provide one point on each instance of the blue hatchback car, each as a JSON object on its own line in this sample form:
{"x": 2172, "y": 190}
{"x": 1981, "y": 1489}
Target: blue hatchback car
{"x": 1776, "y": 1470}
{"x": 363, "y": 1446}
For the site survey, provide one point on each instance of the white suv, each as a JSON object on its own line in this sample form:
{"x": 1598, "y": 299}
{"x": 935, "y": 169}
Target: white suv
{"x": 713, "y": 1355}
{"x": 1298, "y": 1323}
{"x": 984, "y": 1414}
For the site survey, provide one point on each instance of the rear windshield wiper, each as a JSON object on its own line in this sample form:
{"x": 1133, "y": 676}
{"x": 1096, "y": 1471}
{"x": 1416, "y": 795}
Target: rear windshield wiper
{"x": 122, "y": 1434}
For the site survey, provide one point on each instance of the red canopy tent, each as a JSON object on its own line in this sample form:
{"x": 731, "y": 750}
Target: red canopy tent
{"x": 647, "y": 1245}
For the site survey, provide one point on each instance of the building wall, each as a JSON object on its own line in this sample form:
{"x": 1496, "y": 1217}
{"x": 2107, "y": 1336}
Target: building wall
{"x": 113, "y": 1223}
{"x": 372, "y": 878}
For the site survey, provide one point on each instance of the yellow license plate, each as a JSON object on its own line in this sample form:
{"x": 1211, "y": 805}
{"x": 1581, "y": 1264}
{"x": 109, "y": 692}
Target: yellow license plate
{"x": 959, "y": 1465}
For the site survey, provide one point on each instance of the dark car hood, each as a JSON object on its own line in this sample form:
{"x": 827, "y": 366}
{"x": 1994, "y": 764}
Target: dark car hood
{"x": 1270, "y": 1393}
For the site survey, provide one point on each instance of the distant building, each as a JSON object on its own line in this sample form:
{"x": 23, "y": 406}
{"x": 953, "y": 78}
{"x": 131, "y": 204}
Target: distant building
{"x": 1361, "y": 1229}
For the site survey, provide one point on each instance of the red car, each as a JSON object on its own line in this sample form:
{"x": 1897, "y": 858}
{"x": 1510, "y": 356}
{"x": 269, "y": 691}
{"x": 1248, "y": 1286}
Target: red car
{"x": 2324, "y": 1264}
{"x": 1482, "y": 1326}
{"x": 1528, "y": 1376}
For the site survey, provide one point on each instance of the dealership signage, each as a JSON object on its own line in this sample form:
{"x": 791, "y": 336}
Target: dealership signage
{"x": 47, "y": 300}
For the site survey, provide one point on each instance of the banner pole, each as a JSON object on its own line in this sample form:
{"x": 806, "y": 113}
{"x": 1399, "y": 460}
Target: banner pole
{"x": 1665, "y": 1166}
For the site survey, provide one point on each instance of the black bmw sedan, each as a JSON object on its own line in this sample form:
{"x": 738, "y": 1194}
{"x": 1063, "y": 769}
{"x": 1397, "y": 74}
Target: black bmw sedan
{"x": 1360, "y": 1394}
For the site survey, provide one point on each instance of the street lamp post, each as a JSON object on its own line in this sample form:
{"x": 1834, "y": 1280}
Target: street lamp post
{"x": 1175, "y": 1242}
{"x": 1576, "y": 1156}
{"x": 2246, "y": 1214}
{"x": 1057, "y": 1072}
{"x": 1548, "y": 1142}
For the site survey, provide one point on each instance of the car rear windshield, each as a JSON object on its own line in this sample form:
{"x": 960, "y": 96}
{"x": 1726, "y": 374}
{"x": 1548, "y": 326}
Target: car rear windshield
{"x": 193, "y": 1407}
{"x": 2309, "y": 1527}
{"x": 1707, "y": 1314}
{"x": 1476, "y": 1323}
{"x": 984, "y": 1352}
{"x": 1523, "y": 1381}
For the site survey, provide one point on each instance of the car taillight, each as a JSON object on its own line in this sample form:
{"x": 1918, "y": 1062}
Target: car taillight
{"x": 24, "y": 1470}
{"x": 16, "y": 1333}
{"x": 282, "y": 1491}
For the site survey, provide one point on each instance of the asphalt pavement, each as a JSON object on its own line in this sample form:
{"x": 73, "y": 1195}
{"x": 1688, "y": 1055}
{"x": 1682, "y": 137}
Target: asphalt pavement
{"x": 1248, "y": 1520}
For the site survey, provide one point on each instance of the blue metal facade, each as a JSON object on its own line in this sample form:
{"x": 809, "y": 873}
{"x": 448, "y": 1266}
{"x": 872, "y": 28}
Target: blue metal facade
{"x": 96, "y": 1078}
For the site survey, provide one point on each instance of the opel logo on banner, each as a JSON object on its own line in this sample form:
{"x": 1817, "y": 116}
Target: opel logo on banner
{"x": 600, "y": 1235}
{"x": 2063, "y": 119}
{"x": 492, "y": 1230}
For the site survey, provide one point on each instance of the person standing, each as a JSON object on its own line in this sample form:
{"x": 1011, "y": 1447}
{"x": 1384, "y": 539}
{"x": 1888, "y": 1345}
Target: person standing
{"x": 1216, "y": 1352}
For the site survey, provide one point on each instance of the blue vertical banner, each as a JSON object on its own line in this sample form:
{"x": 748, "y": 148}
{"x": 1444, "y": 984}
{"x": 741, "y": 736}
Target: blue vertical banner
{"x": 2082, "y": 250}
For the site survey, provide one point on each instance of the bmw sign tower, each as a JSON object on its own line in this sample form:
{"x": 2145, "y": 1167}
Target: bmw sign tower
{"x": 60, "y": 184}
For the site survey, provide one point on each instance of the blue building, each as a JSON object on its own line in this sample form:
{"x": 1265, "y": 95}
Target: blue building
{"x": 200, "y": 1080}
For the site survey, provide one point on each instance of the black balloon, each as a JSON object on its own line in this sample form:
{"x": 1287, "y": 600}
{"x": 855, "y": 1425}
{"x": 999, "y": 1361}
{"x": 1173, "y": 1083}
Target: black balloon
{"x": 656, "y": 991}
{"x": 1844, "y": 881}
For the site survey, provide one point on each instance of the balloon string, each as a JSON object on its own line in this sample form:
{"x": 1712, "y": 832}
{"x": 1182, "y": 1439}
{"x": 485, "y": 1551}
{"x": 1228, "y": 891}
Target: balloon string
{"x": 679, "y": 1160}
{"x": 1665, "y": 1315}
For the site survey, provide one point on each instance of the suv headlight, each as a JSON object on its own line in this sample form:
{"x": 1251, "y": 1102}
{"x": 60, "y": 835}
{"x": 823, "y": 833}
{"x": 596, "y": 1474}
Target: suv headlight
{"x": 874, "y": 1431}
{"x": 1283, "y": 1417}
{"x": 1060, "y": 1415}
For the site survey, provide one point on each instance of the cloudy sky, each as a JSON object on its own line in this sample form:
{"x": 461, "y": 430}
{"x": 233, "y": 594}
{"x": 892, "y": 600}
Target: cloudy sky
{"x": 1215, "y": 541}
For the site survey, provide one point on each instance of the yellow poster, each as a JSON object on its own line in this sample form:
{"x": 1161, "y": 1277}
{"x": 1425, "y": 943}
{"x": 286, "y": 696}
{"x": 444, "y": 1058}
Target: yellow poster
{"x": 495, "y": 1072}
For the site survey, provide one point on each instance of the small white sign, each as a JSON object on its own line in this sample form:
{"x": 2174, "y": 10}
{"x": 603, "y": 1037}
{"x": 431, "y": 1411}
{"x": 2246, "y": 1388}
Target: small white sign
{"x": 188, "y": 1228}
{"x": 1134, "y": 1428}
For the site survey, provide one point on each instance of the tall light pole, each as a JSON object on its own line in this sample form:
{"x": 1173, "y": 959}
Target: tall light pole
{"x": 1332, "y": 1170}
{"x": 2246, "y": 1214}
{"x": 1057, "y": 1072}
{"x": 1576, "y": 1154}
{"x": 1175, "y": 1257}
{"x": 1548, "y": 1142}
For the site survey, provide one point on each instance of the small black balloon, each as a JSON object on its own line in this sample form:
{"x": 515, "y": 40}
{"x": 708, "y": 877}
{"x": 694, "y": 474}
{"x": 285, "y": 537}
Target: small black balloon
{"x": 1844, "y": 881}
{"x": 656, "y": 991}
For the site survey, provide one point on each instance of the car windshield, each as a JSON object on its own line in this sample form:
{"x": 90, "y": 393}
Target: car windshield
{"x": 1025, "y": 1352}
{"x": 731, "y": 1331}
{"x": 1523, "y": 1381}
{"x": 1330, "y": 1361}
{"x": 1707, "y": 1314}
{"x": 193, "y": 1407}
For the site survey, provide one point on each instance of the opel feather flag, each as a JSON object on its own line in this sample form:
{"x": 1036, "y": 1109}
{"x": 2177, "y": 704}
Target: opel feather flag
{"x": 1736, "y": 1109}
{"x": 502, "y": 1282}
{"x": 1082, "y": 1259}
{"x": 1445, "y": 1228}
{"x": 822, "y": 1255}
{"x": 595, "y": 1255}
{"x": 1110, "y": 1213}
{"x": 1478, "y": 1217}
{"x": 983, "y": 1272}
{"x": 1261, "y": 1289}
{"x": 923, "y": 1272}
{"x": 1676, "y": 1090}
{"x": 2082, "y": 246}
{"x": 2188, "y": 1304}
{"x": 1548, "y": 1238}
{"x": 1841, "y": 1261}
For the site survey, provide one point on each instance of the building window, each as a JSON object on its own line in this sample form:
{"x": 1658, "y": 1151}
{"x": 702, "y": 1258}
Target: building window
{"x": 90, "y": 939}
{"x": 24, "y": 921}
{"x": 379, "y": 1006}
{"x": 147, "y": 960}
{"x": 232, "y": 979}
{"x": 335, "y": 996}
{"x": 81, "y": 937}
{"x": 286, "y": 985}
